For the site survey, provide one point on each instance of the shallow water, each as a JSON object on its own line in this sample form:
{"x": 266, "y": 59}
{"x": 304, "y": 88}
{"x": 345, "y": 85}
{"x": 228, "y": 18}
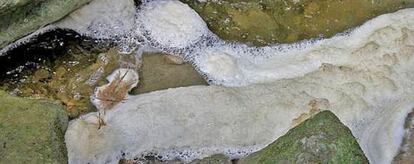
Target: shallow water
{"x": 56, "y": 65}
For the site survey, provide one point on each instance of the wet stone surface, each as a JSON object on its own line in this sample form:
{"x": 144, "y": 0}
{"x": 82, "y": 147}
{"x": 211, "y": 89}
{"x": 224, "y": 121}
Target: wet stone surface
{"x": 263, "y": 22}
{"x": 160, "y": 71}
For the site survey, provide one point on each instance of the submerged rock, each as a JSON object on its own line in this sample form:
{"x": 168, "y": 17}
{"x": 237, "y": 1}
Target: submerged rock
{"x": 31, "y": 131}
{"x": 158, "y": 72}
{"x": 21, "y": 17}
{"x": 320, "y": 139}
{"x": 265, "y": 22}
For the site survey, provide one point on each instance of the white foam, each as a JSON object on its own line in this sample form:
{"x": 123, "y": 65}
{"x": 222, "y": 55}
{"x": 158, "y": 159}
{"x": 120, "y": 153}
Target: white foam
{"x": 366, "y": 76}
{"x": 102, "y": 19}
{"x": 171, "y": 23}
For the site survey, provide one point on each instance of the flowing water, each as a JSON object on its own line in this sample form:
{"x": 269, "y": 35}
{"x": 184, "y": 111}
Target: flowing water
{"x": 364, "y": 76}
{"x": 258, "y": 93}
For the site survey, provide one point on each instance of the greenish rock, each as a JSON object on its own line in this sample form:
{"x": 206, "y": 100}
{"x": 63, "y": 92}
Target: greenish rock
{"x": 157, "y": 73}
{"x": 320, "y": 139}
{"x": 21, "y": 17}
{"x": 31, "y": 131}
{"x": 263, "y": 22}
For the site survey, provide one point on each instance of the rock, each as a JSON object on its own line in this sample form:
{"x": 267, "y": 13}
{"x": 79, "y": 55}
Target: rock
{"x": 157, "y": 73}
{"x": 170, "y": 24}
{"x": 32, "y": 131}
{"x": 21, "y": 17}
{"x": 102, "y": 19}
{"x": 265, "y": 22}
{"x": 406, "y": 153}
{"x": 320, "y": 139}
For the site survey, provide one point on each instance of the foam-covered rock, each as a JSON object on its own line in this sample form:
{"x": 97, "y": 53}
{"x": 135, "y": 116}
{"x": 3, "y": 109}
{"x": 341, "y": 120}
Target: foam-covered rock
{"x": 102, "y": 19}
{"x": 171, "y": 23}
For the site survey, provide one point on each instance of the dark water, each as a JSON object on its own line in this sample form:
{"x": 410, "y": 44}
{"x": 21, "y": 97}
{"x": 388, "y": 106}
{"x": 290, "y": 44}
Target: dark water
{"x": 41, "y": 52}
{"x": 37, "y": 53}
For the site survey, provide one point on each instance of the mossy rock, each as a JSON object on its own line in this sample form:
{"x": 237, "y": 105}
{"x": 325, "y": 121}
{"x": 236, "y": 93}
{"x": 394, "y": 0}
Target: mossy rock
{"x": 320, "y": 139}
{"x": 263, "y": 22}
{"x": 21, "y": 17}
{"x": 31, "y": 131}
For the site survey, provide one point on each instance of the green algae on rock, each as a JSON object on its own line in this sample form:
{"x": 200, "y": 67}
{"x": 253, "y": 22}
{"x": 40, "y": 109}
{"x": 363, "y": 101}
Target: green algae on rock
{"x": 263, "y": 22}
{"x": 157, "y": 73}
{"x": 21, "y": 17}
{"x": 31, "y": 131}
{"x": 320, "y": 139}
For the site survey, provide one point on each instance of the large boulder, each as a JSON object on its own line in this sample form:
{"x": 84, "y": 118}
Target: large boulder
{"x": 264, "y": 22}
{"x": 320, "y": 139}
{"x": 21, "y": 17}
{"x": 31, "y": 131}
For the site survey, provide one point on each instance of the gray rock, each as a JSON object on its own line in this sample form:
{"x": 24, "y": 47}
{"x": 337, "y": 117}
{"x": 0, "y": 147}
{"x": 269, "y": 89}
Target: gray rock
{"x": 22, "y": 17}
